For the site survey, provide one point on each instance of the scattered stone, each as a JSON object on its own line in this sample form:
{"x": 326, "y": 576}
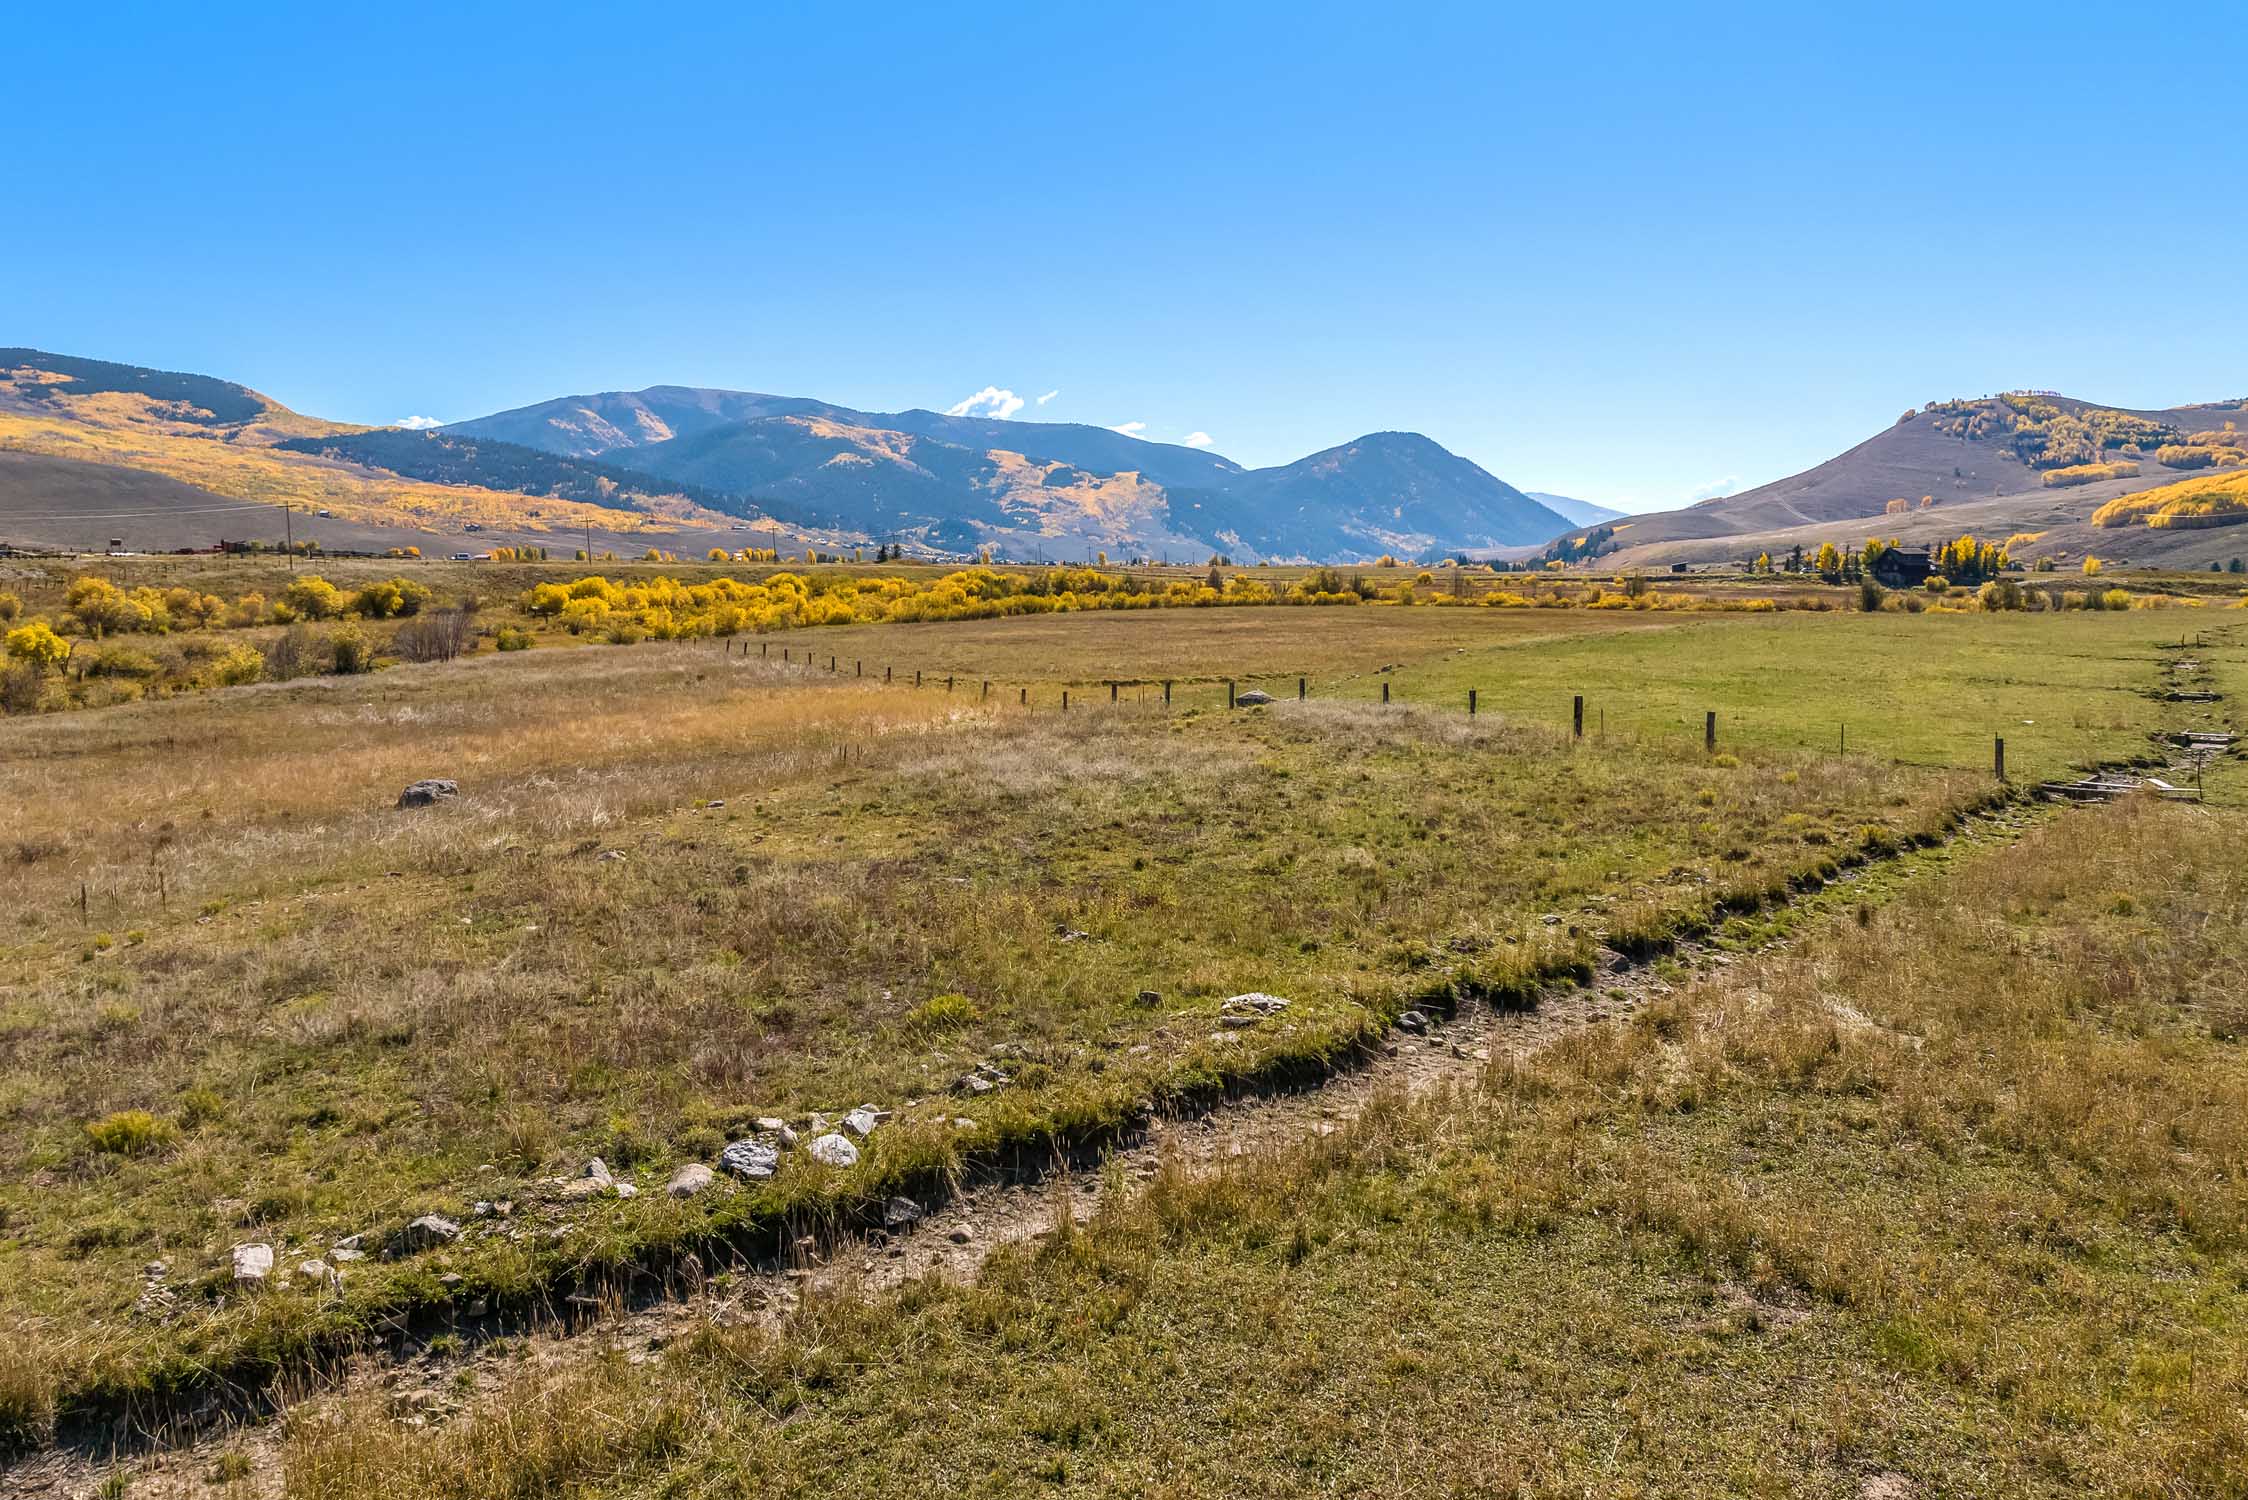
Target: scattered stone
{"x": 252, "y": 1264}
{"x": 783, "y": 1134}
{"x": 962, "y": 1122}
{"x": 478, "y": 1308}
{"x": 1070, "y": 934}
{"x": 483, "y": 1208}
{"x": 901, "y": 1212}
{"x": 350, "y": 1247}
{"x": 1551, "y": 919}
{"x": 749, "y": 1159}
{"x": 972, "y": 1084}
{"x": 1412, "y": 1021}
{"x": 318, "y": 1272}
{"x": 597, "y": 1169}
{"x": 1151, "y": 997}
{"x": 612, "y": 854}
{"x": 689, "y": 1180}
{"x": 1252, "y": 698}
{"x": 156, "y": 1270}
{"x": 427, "y": 1232}
{"x": 624, "y": 1190}
{"x": 1258, "y": 1002}
{"x": 861, "y": 1121}
{"x": 835, "y": 1150}
{"x": 961, "y": 1234}
{"x": 429, "y": 792}
{"x": 1239, "y": 1019}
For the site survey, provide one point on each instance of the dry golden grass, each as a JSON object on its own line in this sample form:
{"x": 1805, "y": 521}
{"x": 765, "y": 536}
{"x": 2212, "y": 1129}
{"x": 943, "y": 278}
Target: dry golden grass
{"x": 339, "y": 1013}
{"x": 1950, "y": 1198}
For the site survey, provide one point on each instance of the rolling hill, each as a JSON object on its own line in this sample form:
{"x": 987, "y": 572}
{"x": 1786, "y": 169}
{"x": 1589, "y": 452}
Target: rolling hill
{"x": 1996, "y": 466}
{"x": 95, "y": 451}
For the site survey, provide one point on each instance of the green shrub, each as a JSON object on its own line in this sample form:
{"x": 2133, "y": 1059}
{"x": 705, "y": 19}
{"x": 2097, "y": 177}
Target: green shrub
{"x": 129, "y": 1132}
{"x": 943, "y": 1013}
{"x": 513, "y": 638}
{"x": 124, "y": 661}
{"x": 351, "y": 652}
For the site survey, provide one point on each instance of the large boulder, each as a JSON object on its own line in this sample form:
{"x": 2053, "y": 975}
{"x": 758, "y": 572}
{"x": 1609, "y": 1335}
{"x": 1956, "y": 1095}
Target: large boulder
{"x": 835, "y": 1150}
{"x": 428, "y": 792}
{"x": 1252, "y": 698}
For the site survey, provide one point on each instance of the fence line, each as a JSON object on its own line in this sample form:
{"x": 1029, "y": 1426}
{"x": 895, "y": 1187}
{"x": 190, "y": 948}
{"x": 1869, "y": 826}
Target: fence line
{"x": 1115, "y": 686}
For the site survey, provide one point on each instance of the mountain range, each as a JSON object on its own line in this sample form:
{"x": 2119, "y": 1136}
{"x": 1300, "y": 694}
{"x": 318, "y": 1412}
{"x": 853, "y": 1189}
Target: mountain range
{"x": 956, "y": 483}
{"x": 93, "y": 452}
{"x": 707, "y": 464}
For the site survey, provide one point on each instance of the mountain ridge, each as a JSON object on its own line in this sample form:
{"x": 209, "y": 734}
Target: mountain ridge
{"x": 959, "y": 483}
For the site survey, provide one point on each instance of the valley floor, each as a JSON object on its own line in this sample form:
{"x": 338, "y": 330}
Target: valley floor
{"x": 1939, "y": 1191}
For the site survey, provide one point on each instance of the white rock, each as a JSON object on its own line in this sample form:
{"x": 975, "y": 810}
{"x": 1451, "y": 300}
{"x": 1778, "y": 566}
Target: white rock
{"x": 252, "y": 1264}
{"x": 689, "y": 1180}
{"x": 835, "y": 1150}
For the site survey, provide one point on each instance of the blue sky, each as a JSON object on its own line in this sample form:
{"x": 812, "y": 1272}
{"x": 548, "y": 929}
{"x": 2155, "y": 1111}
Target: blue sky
{"x": 1633, "y": 254}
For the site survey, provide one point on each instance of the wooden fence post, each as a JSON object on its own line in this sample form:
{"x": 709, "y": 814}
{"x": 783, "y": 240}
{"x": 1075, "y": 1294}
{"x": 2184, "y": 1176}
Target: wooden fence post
{"x": 1229, "y": 703}
{"x": 1302, "y": 690}
{"x": 1709, "y": 730}
{"x": 1112, "y": 692}
{"x": 1065, "y": 700}
{"x": 1998, "y": 758}
{"x": 1385, "y": 692}
{"x": 1577, "y": 717}
{"x": 1166, "y": 690}
{"x": 1471, "y": 703}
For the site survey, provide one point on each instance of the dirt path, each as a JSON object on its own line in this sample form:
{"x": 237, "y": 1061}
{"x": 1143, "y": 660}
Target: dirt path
{"x": 957, "y": 1236}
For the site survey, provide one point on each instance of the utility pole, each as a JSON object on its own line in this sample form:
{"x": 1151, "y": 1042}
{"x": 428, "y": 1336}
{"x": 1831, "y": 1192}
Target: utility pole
{"x": 589, "y": 541}
{"x": 289, "y": 533}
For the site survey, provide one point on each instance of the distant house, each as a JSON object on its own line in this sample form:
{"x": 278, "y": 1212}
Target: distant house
{"x": 1902, "y": 567}
{"x": 1678, "y": 567}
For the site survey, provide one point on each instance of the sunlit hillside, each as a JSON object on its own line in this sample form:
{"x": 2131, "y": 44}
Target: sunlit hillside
{"x": 236, "y": 460}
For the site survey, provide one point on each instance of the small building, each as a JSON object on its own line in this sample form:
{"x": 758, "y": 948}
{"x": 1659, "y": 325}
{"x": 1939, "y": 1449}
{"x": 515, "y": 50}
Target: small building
{"x": 1678, "y": 567}
{"x": 1902, "y": 567}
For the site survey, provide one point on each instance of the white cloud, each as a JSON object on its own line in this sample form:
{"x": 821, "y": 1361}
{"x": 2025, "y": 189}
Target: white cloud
{"x": 417, "y": 424}
{"x": 1716, "y": 487}
{"x": 1050, "y": 395}
{"x": 1130, "y": 429}
{"x": 991, "y": 401}
{"x": 1196, "y": 440}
